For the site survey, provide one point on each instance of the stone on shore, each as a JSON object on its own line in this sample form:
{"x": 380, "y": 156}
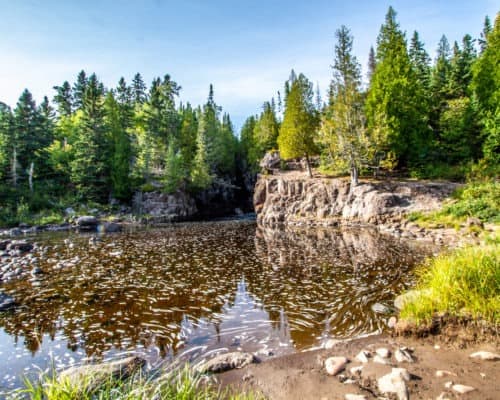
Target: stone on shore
{"x": 92, "y": 375}
{"x": 485, "y": 356}
{"x": 395, "y": 382}
{"x": 334, "y": 365}
{"x": 462, "y": 389}
{"x": 226, "y": 362}
{"x": 6, "y": 302}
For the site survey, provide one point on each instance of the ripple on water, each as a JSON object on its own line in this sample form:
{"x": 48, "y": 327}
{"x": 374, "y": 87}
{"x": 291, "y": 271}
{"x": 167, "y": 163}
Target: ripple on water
{"x": 189, "y": 289}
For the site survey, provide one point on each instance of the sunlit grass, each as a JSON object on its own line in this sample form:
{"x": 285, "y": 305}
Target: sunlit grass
{"x": 463, "y": 283}
{"x": 172, "y": 385}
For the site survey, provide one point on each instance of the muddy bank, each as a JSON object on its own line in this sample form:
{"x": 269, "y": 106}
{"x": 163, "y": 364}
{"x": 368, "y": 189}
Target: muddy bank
{"x": 431, "y": 366}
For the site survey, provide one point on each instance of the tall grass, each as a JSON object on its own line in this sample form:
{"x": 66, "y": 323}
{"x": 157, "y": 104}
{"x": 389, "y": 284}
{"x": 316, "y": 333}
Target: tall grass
{"x": 463, "y": 283}
{"x": 172, "y": 385}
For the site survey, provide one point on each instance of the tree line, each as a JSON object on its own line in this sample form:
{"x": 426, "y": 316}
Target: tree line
{"x": 93, "y": 144}
{"x": 423, "y": 118}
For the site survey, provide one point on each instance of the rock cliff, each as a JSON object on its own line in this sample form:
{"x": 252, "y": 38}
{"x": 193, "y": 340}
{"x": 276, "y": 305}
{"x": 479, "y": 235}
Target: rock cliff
{"x": 293, "y": 199}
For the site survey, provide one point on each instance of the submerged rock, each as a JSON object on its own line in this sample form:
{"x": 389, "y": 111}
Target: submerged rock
{"x": 6, "y": 302}
{"x": 95, "y": 374}
{"x": 226, "y": 362}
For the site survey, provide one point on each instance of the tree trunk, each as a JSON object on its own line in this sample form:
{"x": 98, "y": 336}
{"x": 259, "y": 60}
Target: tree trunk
{"x": 354, "y": 176}
{"x": 309, "y": 170}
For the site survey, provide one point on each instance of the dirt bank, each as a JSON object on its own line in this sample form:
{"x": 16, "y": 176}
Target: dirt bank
{"x": 303, "y": 375}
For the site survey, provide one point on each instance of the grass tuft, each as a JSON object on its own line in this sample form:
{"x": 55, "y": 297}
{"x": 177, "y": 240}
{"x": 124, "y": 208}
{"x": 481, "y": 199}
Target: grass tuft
{"x": 167, "y": 385}
{"x": 463, "y": 283}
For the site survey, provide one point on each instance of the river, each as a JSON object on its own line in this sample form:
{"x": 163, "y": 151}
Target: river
{"x": 185, "y": 290}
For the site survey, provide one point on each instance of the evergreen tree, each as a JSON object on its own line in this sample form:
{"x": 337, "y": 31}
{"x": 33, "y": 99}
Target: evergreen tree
{"x": 486, "y": 86}
{"x": 200, "y": 172}
{"x": 6, "y": 140}
{"x": 343, "y": 132}
{"x": 63, "y": 99}
{"x": 396, "y": 110}
{"x": 120, "y": 147}
{"x": 461, "y": 68}
{"x": 420, "y": 60}
{"x": 266, "y": 131}
{"x": 372, "y": 63}
{"x": 79, "y": 90}
{"x": 175, "y": 170}
{"x": 484, "y": 34}
{"x": 300, "y": 122}
{"x": 187, "y": 137}
{"x": 89, "y": 169}
{"x": 139, "y": 89}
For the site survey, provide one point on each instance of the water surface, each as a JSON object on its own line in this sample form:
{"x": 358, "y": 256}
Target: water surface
{"x": 189, "y": 289}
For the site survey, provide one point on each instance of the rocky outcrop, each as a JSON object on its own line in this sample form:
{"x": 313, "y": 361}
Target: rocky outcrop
{"x": 177, "y": 206}
{"x": 292, "y": 199}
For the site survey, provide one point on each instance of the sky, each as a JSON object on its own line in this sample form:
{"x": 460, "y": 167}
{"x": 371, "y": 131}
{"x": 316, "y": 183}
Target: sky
{"x": 246, "y": 49}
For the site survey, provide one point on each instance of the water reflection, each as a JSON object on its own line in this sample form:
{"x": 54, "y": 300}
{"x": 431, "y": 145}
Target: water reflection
{"x": 193, "y": 288}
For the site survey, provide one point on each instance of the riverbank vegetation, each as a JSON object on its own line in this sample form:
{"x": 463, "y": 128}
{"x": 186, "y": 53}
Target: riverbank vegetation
{"x": 177, "y": 385}
{"x": 465, "y": 283}
{"x": 96, "y": 144}
{"x": 419, "y": 118}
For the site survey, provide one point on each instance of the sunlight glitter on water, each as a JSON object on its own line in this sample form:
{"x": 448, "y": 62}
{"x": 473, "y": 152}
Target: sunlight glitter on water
{"x": 189, "y": 289}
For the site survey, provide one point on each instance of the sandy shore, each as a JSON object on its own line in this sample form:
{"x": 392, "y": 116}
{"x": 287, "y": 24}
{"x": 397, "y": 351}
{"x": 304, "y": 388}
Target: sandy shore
{"x": 303, "y": 375}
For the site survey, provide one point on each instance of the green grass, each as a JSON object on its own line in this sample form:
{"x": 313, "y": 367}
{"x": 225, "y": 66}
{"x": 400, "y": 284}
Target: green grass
{"x": 171, "y": 385}
{"x": 479, "y": 199}
{"x": 463, "y": 283}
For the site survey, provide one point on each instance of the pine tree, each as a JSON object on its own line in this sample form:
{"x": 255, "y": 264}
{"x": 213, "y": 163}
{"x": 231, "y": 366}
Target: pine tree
{"x": 79, "y": 90}
{"x": 200, "y": 172}
{"x": 120, "y": 148}
{"x": 300, "y": 122}
{"x": 248, "y": 147}
{"x": 461, "y": 67}
{"x": 89, "y": 169}
{"x": 63, "y": 99}
{"x": 187, "y": 137}
{"x": 486, "y": 87}
{"x": 484, "y": 34}
{"x": 343, "y": 132}
{"x": 6, "y": 139}
{"x": 372, "y": 63}
{"x": 139, "y": 89}
{"x": 420, "y": 60}
{"x": 266, "y": 131}
{"x": 396, "y": 110}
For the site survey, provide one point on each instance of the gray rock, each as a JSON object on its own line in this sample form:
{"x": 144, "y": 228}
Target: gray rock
{"x": 462, "y": 389}
{"x": 350, "y": 396}
{"x": 111, "y": 227}
{"x": 15, "y": 232}
{"x": 383, "y": 352}
{"x": 485, "y": 356}
{"x": 4, "y": 244}
{"x": 380, "y": 308}
{"x": 395, "y": 382}
{"x": 95, "y": 374}
{"x": 271, "y": 160}
{"x": 69, "y": 211}
{"x": 334, "y": 365}
{"x": 87, "y": 221}
{"x": 403, "y": 355}
{"x": 226, "y": 362}
{"x": 21, "y": 246}
{"x": 363, "y": 356}
{"x": 6, "y": 302}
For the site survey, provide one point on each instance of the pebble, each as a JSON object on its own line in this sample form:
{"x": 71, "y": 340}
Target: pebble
{"x": 442, "y": 373}
{"x": 350, "y": 396}
{"x": 403, "y": 355}
{"x": 443, "y": 396}
{"x": 383, "y": 352}
{"x": 392, "y": 322}
{"x": 485, "y": 356}
{"x": 363, "y": 356}
{"x": 356, "y": 370}
{"x": 334, "y": 365}
{"x": 462, "y": 389}
{"x": 395, "y": 383}
{"x": 380, "y": 360}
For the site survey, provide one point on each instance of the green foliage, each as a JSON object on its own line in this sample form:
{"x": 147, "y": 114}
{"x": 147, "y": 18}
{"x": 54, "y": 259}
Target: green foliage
{"x": 166, "y": 385}
{"x": 175, "y": 173}
{"x": 343, "y": 134}
{"x": 300, "y": 121}
{"x": 395, "y": 105}
{"x": 463, "y": 283}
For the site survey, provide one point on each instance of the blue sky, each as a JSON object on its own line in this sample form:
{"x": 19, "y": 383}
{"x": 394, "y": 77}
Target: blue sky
{"x": 245, "y": 48}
